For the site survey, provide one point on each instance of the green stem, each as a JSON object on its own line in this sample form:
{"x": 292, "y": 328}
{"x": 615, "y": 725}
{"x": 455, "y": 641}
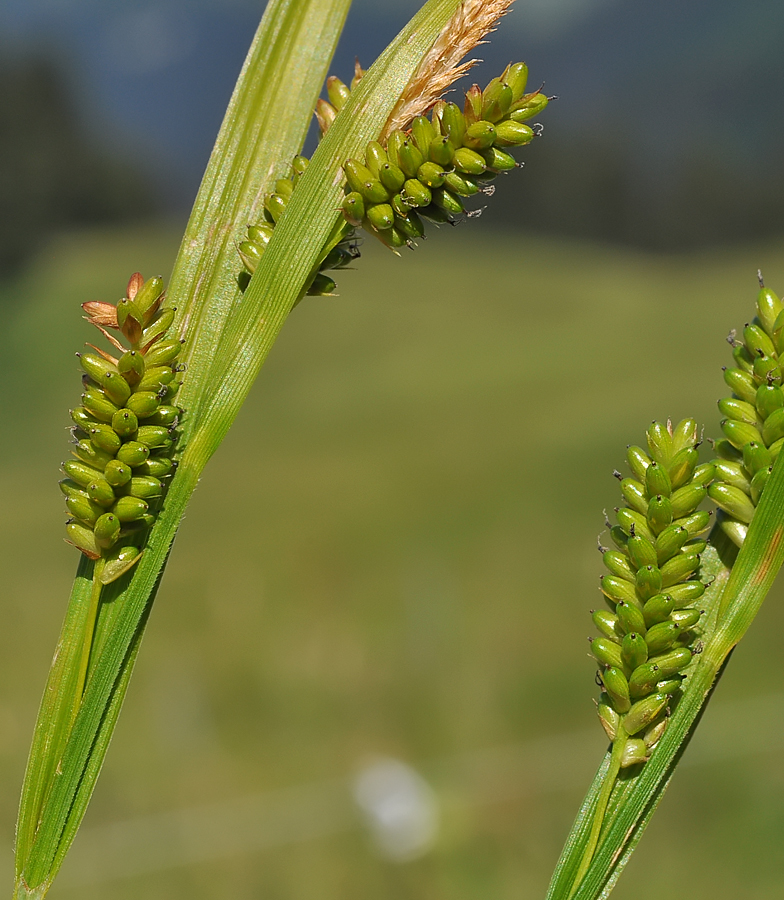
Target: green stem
{"x": 601, "y": 808}
{"x": 87, "y": 639}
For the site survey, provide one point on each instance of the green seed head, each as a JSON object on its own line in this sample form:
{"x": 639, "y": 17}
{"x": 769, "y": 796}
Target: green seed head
{"x": 391, "y": 177}
{"x": 453, "y": 124}
{"x": 497, "y": 99}
{"x": 657, "y": 480}
{"x": 513, "y": 134}
{"x": 275, "y": 205}
{"x": 442, "y": 151}
{"x": 131, "y": 366}
{"x": 634, "y": 650}
{"x": 469, "y": 161}
{"x": 416, "y": 194}
{"x": 480, "y": 135}
{"x": 117, "y": 473}
{"x": 354, "y": 208}
{"x": 617, "y": 688}
{"x": 148, "y": 295}
{"x": 607, "y": 652}
{"x": 608, "y": 624}
{"x": 529, "y": 106}
{"x": 116, "y": 387}
{"x": 381, "y": 216}
{"x": 658, "y": 609}
{"x": 107, "y": 531}
{"x": 630, "y": 617}
{"x": 423, "y": 134}
{"x": 498, "y": 160}
{"x": 447, "y": 201}
{"x": 648, "y": 582}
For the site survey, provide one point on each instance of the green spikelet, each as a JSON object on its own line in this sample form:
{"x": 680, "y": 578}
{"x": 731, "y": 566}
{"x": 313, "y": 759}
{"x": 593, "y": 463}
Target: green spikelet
{"x": 653, "y": 578}
{"x": 754, "y": 417}
{"x": 258, "y": 236}
{"x": 125, "y": 430}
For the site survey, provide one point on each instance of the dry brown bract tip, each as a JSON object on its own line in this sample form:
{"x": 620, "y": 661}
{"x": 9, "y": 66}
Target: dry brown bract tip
{"x": 441, "y": 66}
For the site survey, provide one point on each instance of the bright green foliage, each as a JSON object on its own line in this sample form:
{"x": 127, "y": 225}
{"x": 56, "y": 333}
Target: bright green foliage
{"x": 226, "y": 344}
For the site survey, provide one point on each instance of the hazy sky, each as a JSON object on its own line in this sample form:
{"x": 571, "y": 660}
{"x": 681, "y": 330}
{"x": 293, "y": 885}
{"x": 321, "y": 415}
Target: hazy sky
{"x": 19, "y": 17}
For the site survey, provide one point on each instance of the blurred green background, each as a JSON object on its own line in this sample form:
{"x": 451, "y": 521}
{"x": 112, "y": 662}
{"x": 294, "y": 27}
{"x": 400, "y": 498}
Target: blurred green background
{"x": 392, "y": 556}
{"x": 366, "y": 673}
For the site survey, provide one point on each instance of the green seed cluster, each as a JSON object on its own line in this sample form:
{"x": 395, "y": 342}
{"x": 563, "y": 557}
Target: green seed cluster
{"x": 251, "y": 249}
{"x": 124, "y": 429}
{"x": 754, "y": 424}
{"x": 426, "y": 171}
{"x": 647, "y": 634}
{"x": 429, "y": 170}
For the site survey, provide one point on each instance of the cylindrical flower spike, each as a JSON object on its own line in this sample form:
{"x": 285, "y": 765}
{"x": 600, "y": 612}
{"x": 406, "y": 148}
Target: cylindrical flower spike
{"x": 754, "y": 422}
{"x": 120, "y": 416}
{"x": 428, "y": 169}
{"x": 440, "y": 156}
{"x": 653, "y": 577}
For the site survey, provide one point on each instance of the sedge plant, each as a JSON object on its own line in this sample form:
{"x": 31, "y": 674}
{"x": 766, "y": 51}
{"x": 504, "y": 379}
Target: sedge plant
{"x": 679, "y": 595}
{"x": 170, "y": 370}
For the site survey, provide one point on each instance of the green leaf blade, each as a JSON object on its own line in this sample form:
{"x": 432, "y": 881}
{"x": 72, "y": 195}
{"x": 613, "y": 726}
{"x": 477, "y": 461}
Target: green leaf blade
{"x": 58, "y": 801}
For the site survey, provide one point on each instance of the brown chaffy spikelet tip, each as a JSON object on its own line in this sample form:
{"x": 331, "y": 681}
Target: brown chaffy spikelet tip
{"x": 99, "y": 313}
{"x": 441, "y": 66}
{"x": 107, "y": 356}
{"x": 134, "y": 284}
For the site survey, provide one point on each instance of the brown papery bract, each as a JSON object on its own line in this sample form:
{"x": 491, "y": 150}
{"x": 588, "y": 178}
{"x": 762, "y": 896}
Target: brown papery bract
{"x": 441, "y": 67}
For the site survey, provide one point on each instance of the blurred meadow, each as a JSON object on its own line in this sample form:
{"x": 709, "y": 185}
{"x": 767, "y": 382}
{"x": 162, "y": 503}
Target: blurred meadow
{"x": 366, "y": 673}
{"x": 392, "y": 557}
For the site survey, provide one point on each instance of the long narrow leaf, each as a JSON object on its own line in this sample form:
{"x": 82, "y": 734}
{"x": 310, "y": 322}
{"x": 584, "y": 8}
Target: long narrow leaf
{"x": 235, "y": 177}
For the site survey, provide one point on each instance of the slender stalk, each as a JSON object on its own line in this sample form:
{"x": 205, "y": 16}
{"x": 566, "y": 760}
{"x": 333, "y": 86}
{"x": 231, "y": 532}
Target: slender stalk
{"x": 601, "y": 808}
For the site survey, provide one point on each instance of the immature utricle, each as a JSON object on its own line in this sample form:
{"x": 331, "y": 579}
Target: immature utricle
{"x": 648, "y": 631}
{"x": 124, "y": 431}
